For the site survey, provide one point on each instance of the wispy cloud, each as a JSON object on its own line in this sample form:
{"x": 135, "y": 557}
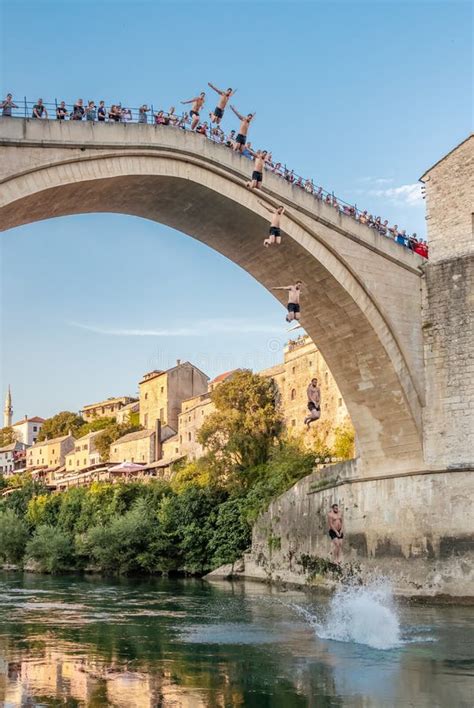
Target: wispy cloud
{"x": 376, "y": 180}
{"x": 196, "y": 329}
{"x": 406, "y": 194}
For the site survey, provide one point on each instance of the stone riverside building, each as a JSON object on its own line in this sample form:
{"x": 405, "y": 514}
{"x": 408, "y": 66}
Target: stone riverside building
{"x": 162, "y": 392}
{"x": 105, "y": 409}
{"x": 143, "y": 446}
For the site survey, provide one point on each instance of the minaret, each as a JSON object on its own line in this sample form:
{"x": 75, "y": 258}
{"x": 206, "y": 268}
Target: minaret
{"x": 8, "y": 410}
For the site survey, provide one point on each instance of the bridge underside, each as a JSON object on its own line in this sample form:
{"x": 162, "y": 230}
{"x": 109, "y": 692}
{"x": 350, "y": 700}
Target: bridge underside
{"x": 344, "y": 318}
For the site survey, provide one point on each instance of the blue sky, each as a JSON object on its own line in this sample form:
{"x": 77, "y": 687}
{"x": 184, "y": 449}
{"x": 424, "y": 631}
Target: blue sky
{"x": 361, "y": 96}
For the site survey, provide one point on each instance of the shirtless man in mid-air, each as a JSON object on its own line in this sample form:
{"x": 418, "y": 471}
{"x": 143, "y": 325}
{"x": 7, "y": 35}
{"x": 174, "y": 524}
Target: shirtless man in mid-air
{"x": 218, "y": 114}
{"x": 293, "y": 300}
{"x": 245, "y": 121}
{"x": 198, "y": 102}
{"x": 261, "y": 158}
{"x": 335, "y": 532}
{"x": 274, "y": 233}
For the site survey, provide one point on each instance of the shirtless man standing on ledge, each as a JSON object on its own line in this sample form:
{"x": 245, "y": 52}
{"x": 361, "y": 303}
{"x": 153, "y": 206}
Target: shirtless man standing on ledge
{"x": 218, "y": 114}
{"x": 241, "y": 138}
{"x": 274, "y": 233}
{"x": 335, "y": 532}
{"x": 198, "y": 102}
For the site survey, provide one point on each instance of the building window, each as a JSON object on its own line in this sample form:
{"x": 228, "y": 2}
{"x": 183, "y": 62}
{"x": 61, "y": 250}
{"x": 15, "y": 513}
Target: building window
{"x": 84, "y": 447}
{"x": 77, "y": 463}
{"x": 180, "y": 439}
{"x": 189, "y": 418}
{"x": 293, "y": 422}
{"x": 146, "y": 395}
{"x": 145, "y": 420}
{"x": 35, "y": 428}
{"x": 176, "y": 450}
{"x": 189, "y": 437}
{"x": 162, "y": 389}
{"x": 293, "y": 371}
{"x": 143, "y": 457}
{"x": 326, "y": 377}
{"x": 310, "y": 364}
{"x": 293, "y": 394}
{"x": 162, "y": 414}
{"x": 339, "y": 402}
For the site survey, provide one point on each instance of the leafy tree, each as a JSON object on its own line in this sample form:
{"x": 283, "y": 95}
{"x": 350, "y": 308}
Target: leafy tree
{"x": 242, "y": 430}
{"x": 344, "y": 444}
{"x": 7, "y": 436}
{"x": 118, "y": 546}
{"x": 94, "y": 425}
{"x": 232, "y": 534}
{"x": 51, "y": 548}
{"x": 13, "y": 536}
{"x": 59, "y": 425}
{"x": 19, "y": 499}
{"x": 43, "y": 509}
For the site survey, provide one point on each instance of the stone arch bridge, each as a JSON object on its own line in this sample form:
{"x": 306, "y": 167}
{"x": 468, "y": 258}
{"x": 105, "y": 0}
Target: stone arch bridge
{"x": 363, "y": 294}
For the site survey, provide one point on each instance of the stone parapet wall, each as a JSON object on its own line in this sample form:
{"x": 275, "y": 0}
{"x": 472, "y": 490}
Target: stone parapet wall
{"x": 416, "y": 529}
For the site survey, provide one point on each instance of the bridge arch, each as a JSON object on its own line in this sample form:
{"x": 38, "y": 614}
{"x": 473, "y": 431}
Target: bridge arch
{"x": 200, "y": 192}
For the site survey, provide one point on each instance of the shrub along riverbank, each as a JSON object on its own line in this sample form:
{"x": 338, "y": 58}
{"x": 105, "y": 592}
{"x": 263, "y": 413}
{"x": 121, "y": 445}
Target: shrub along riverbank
{"x": 199, "y": 520}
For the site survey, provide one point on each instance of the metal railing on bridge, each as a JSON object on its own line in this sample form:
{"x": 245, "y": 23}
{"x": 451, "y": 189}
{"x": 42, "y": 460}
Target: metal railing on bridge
{"x": 146, "y": 115}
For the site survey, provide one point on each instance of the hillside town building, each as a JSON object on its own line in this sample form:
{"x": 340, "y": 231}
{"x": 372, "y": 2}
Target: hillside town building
{"x": 143, "y": 446}
{"x": 12, "y": 458}
{"x": 84, "y": 455}
{"x": 105, "y": 409}
{"x": 50, "y": 454}
{"x": 27, "y": 430}
{"x": 162, "y": 393}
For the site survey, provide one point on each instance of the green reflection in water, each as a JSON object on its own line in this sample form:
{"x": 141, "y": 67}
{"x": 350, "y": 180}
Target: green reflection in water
{"x": 92, "y": 642}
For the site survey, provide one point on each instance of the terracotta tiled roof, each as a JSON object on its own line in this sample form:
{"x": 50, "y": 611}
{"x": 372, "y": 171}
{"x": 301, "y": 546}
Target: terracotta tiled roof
{"x": 35, "y": 419}
{"x": 223, "y": 376}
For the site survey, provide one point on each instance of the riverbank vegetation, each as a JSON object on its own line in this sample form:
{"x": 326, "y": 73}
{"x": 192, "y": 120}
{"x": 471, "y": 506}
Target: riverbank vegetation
{"x": 195, "y": 521}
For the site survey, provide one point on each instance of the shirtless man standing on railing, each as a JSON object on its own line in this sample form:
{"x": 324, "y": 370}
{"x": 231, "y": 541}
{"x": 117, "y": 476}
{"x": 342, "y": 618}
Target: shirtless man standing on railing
{"x": 218, "y": 114}
{"x": 241, "y": 138}
{"x": 198, "y": 102}
{"x": 274, "y": 233}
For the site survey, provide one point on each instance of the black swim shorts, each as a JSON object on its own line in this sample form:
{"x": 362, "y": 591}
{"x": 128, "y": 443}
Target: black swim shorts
{"x": 334, "y": 535}
{"x": 257, "y": 176}
{"x": 293, "y": 307}
{"x": 194, "y": 113}
{"x": 241, "y": 139}
{"x": 274, "y": 231}
{"x": 218, "y": 112}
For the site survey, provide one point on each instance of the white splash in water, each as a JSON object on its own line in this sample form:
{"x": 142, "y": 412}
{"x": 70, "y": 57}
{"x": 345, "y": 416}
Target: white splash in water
{"x": 365, "y": 615}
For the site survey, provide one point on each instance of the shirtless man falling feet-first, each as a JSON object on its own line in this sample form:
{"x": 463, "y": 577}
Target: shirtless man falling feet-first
{"x": 218, "y": 114}
{"x": 261, "y": 158}
{"x": 293, "y": 300}
{"x": 335, "y": 532}
{"x": 274, "y": 233}
{"x": 198, "y": 102}
{"x": 245, "y": 121}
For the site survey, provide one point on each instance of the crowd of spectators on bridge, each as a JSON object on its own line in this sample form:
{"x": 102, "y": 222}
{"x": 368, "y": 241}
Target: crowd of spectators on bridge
{"x": 116, "y": 113}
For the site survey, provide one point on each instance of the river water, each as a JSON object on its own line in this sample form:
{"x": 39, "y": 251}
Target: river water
{"x": 70, "y": 641}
